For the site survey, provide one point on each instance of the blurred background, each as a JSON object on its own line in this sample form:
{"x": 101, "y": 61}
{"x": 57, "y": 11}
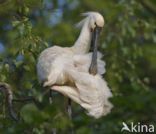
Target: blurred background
{"x": 128, "y": 43}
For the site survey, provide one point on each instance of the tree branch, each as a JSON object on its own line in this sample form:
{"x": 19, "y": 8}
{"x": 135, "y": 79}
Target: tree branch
{"x": 6, "y": 89}
{"x": 149, "y": 6}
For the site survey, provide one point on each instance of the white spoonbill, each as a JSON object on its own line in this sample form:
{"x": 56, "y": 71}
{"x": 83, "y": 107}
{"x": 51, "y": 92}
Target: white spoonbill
{"x": 75, "y": 72}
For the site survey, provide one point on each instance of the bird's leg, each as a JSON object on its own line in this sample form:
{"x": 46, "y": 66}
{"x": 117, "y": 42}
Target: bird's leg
{"x": 50, "y": 97}
{"x": 69, "y": 108}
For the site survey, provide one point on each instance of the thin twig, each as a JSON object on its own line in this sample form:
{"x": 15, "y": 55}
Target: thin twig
{"x": 25, "y": 99}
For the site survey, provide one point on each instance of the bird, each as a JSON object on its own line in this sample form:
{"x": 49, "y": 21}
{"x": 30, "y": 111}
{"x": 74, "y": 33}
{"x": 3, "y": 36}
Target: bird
{"x": 75, "y": 71}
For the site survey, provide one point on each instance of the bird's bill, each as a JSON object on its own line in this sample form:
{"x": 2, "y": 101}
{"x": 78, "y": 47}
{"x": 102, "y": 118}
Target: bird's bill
{"x": 94, "y": 44}
{"x": 95, "y": 36}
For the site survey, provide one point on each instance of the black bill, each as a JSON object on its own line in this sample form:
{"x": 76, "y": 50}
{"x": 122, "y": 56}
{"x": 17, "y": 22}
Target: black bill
{"x": 94, "y": 44}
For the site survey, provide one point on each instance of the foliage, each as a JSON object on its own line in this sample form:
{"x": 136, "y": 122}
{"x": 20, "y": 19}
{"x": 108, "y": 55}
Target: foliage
{"x": 128, "y": 43}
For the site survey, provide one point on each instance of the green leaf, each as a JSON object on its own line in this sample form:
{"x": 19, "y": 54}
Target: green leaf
{"x": 31, "y": 114}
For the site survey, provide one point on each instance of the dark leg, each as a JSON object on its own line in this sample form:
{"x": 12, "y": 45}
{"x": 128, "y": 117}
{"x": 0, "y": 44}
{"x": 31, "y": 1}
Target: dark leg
{"x": 50, "y": 97}
{"x": 69, "y": 109}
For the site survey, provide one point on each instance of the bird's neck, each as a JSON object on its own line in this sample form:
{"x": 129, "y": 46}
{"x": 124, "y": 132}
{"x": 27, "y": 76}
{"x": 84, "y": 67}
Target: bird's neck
{"x": 82, "y": 45}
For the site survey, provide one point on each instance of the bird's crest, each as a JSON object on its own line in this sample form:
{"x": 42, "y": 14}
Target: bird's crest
{"x": 81, "y": 23}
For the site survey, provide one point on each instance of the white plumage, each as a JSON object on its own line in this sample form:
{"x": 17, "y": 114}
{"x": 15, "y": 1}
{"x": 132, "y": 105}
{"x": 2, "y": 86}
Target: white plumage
{"x": 66, "y": 70}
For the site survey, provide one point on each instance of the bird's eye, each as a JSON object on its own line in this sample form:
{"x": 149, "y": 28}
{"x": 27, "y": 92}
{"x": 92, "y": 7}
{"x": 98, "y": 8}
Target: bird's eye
{"x": 95, "y": 24}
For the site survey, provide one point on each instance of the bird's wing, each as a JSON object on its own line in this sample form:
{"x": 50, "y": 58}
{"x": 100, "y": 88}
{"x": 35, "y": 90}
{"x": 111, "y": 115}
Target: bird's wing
{"x": 82, "y": 62}
{"x": 92, "y": 91}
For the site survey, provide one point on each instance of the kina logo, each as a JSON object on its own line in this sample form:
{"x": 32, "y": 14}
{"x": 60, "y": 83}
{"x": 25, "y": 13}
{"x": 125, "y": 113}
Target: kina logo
{"x": 138, "y": 128}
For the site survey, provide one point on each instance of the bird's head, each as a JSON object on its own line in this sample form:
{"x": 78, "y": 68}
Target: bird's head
{"x": 93, "y": 20}
{"x": 95, "y": 24}
{"x": 96, "y": 20}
